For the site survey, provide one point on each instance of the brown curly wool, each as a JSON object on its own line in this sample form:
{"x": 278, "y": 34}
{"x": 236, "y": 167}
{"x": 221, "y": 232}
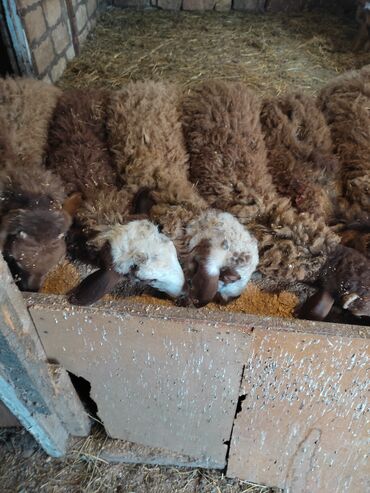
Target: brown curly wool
{"x": 77, "y": 147}
{"x": 228, "y": 164}
{"x": 78, "y": 153}
{"x": 227, "y": 153}
{"x": 35, "y": 213}
{"x": 144, "y": 133}
{"x": 26, "y": 106}
{"x": 345, "y": 103}
{"x": 300, "y": 154}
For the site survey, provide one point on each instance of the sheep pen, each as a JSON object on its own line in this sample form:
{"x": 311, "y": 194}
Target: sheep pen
{"x": 273, "y": 54}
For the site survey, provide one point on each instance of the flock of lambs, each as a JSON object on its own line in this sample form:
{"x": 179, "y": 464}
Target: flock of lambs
{"x": 190, "y": 192}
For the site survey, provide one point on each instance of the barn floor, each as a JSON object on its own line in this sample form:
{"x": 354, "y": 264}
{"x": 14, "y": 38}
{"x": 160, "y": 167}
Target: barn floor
{"x": 24, "y": 468}
{"x": 270, "y": 52}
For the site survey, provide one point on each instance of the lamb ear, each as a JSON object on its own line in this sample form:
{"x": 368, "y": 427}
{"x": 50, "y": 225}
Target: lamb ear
{"x": 72, "y": 204}
{"x": 94, "y": 287}
{"x": 317, "y": 307}
{"x": 348, "y": 299}
{"x": 229, "y": 275}
{"x": 204, "y": 286}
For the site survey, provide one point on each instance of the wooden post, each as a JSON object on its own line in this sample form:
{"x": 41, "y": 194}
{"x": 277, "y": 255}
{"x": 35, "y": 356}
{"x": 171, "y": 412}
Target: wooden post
{"x": 15, "y": 29}
{"x": 26, "y": 387}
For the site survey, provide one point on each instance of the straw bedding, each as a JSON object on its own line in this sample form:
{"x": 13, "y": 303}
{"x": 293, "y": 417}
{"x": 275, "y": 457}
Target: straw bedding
{"x": 271, "y": 53}
{"x": 24, "y": 467}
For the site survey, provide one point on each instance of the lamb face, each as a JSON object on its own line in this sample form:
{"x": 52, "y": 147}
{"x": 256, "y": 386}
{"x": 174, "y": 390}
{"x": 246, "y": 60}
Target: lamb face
{"x": 223, "y": 255}
{"x": 32, "y": 240}
{"x": 347, "y": 278}
{"x": 138, "y": 247}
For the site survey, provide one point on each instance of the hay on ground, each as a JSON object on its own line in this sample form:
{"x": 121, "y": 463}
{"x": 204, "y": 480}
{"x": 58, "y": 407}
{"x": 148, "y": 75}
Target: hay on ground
{"x": 24, "y": 467}
{"x": 271, "y": 52}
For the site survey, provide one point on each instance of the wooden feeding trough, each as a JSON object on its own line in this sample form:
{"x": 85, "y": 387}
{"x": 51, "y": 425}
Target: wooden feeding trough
{"x": 279, "y": 402}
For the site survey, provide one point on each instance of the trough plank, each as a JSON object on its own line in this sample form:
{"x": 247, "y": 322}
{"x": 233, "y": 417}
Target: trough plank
{"x": 304, "y": 419}
{"x": 70, "y": 409}
{"x": 165, "y": 382}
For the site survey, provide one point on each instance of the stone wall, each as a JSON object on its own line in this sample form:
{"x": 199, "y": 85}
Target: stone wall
{"x": 55, "y": 29}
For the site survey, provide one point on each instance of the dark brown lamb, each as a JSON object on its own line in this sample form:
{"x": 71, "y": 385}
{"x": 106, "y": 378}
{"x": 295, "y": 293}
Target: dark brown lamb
{"x": 35, "y": 212}
{"x": 344, "y": 280}
{"x": 78, "y": 154}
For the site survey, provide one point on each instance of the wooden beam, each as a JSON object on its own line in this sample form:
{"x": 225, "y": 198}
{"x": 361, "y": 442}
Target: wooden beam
{"x": 26, "y": 387}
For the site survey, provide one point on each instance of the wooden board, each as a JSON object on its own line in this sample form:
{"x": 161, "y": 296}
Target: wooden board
{"x": 40, "y": 396}
{"x": 170, "y": 378}
{"x": 25, "y": 385}
{"x": 162, "y": 381}
{"x": 304, "y": 420}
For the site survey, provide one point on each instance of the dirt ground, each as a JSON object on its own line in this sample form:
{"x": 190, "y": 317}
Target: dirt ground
{"x": 25, "y": 468}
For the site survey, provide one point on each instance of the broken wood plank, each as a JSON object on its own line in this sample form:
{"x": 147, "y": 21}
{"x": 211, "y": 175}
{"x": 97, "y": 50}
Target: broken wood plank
{"x": 164, "y": 382}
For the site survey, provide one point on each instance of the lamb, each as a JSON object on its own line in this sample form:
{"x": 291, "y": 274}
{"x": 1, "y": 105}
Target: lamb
{"x": 217, "y": 254}
{"x": 345, "y": 102}
{"x": 344, "y": 279}
{"x": 35, "y": 211}
{"x": 300, "y": 154}
{"x": 129, "y": 250}
{"x": 228, "y": 163}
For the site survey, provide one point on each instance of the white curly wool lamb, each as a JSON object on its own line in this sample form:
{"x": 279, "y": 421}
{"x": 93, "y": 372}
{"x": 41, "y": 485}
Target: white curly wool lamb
{"x": 230, "y": 246}
{"x": 140, "y": 246}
